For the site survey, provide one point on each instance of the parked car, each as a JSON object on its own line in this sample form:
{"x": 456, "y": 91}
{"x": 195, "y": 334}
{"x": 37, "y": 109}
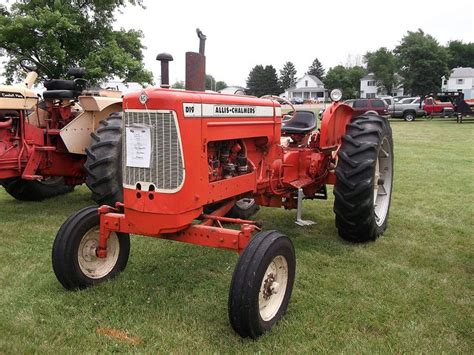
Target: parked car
{"x": 368, "y": 106}
{"x": 437, "y": 108}
{"x": 408, "y": 109}
{"x": 297, "y": 100}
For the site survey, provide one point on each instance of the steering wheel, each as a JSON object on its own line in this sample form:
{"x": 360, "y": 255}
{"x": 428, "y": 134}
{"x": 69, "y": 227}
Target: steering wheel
{"x": 282, "y": 99}
{"x": 30, "y": 65}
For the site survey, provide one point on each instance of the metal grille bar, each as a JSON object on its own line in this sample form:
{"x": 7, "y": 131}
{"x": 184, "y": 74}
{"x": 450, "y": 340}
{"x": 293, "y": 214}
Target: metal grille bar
{"x": 166, "y": 171}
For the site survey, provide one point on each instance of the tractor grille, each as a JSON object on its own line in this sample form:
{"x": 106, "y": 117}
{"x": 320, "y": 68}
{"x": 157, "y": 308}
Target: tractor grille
{"x": 166, "y": 170}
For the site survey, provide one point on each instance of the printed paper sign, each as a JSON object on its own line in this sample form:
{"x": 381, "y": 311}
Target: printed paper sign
{"x": 138, "y": 146}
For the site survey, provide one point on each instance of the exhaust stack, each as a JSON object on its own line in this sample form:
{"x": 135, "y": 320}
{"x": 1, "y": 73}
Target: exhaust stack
{"x": 196, "y": 66}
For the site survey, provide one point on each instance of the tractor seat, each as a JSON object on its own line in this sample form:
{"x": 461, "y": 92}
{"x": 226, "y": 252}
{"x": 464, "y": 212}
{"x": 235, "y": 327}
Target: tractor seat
{"x": 58, "y": 84}
{"x": 304, "y": 122}
{"x": 60, "y": 94}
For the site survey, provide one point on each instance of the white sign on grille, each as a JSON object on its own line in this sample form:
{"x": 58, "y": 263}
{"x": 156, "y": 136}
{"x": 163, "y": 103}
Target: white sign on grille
{"x": 138, "y": 146}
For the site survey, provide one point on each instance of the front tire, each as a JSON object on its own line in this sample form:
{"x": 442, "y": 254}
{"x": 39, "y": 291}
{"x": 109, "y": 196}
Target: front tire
{"x": 262, "y": 283}
{"x": 35, "y": 190}
{"x": 104, "y": 162}
{"x": 74, "y": 260}
{"x": 364, "y": 174}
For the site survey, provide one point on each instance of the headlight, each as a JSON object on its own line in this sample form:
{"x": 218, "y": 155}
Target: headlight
{"x": 336, "y": 95}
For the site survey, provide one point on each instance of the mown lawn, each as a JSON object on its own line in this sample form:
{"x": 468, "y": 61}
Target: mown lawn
{"x": 410, "y": 291}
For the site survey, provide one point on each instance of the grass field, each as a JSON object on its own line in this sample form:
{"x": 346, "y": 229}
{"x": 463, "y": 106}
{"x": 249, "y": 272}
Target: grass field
{"x": 410, "y": 291}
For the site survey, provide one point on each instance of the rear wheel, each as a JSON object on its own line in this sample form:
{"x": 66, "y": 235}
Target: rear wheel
{"x": 409, "y": 116}
{"x": 262, "y": 283}
{"x": 35, "y": 190}
{"x": 104, "y": 162}
{"x": 74, "y": 251}
{"x": 364, "y": 173}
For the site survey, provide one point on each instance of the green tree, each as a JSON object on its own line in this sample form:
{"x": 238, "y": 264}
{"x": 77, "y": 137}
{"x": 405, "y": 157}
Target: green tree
{"x": 220, "y": 85}
{"x": 58, "y": 34}
{"x": 316, "y": 69}
{"x": 263, "y": 81}
{"x": 423, "y": 62}
{"x": 178, "y": 85}
{"x": 212, "y": 84}
{"x": 288, "y": 76}
{"x": 460, "y": 54}
{"x": 383, "y": 64}
{"x": 346, "y": 79}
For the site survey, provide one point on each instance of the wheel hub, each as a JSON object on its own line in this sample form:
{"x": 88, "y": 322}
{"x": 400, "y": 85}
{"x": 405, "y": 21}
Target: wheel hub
{"x": 273, "y": 287}
{"x": 91, "y": 265}
{"x": 382, "y": 182}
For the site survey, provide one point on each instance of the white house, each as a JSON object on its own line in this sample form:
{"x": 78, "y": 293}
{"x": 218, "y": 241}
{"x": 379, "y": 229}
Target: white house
{"x": 370, "y": 89}
{"x": 461, "y": 79}
{"x": 307, "y": 87}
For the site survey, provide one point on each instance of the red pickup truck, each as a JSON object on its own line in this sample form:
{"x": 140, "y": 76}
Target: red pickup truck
{"x": 434, "y": 107}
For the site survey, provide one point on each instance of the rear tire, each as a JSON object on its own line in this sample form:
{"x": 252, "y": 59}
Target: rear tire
{"x": 35, "y": 190}
{"x": 74, "y": 261}
{"x": 364, "y": 174}
{"x": 262, "y": 283}
{"x": 104, "y": 162}
{"x": 409, "y": 116}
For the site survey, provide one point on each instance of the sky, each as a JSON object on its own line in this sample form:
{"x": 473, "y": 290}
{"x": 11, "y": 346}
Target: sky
{"x": 242, "y": 34}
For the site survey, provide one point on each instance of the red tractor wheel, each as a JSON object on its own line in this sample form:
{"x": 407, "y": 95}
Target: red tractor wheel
{"x": 104, "y": 162}
{"x": 364, "y": 173}
{"x": 262, "y": 283}
{"x": 35, "y": 190}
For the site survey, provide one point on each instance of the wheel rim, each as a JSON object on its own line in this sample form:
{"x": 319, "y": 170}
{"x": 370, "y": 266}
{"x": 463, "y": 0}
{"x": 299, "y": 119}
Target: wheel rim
{"x": 409, "y": 117}
{"x": 273, "y": 288}
{"x": 92, "y": 266}
{"x": 382, "y": 182}
{"x": 245, "y": 203}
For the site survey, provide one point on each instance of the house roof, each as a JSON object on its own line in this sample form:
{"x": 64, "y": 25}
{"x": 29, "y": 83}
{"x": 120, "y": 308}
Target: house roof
{"x": 370, "y": 76}
{"x": 315, "y": 78}
{"x": 307, "y": 88}
{"x": 461, "y": 72}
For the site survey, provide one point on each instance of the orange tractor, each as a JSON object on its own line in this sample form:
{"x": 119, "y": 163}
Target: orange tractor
{"x": 189, "y": 156}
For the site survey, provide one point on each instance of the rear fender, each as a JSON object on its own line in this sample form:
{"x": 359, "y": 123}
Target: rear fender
{"x": 333, "y": 125}
{"x": 76, "y": 135}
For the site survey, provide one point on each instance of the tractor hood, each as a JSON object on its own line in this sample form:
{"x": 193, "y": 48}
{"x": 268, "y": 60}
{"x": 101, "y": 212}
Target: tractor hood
{"x": 17, "y": 98}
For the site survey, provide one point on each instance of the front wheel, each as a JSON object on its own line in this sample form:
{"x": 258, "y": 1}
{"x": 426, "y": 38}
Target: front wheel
{"x": 262, "y": 283}
{"x": 74, "y": 251}
{"x": 364, "y": 172}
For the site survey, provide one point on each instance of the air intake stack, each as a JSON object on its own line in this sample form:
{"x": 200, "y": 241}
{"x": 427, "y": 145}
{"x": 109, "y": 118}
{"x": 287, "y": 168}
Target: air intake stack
{"x": 165, "y": 58}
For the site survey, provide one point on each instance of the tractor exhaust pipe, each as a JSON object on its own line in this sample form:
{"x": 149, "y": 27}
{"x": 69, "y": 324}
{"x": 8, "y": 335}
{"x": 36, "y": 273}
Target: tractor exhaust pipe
{"x": 165, "y": 58}
{"x": 196, "y": 66}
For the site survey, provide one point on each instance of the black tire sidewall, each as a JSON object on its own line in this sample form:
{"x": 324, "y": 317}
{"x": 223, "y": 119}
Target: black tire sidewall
{"x": 279, "y": 247}
{"x": 74, "y": 230}
{"x": 357, "y": 223}
{"x": 244, "y": 312}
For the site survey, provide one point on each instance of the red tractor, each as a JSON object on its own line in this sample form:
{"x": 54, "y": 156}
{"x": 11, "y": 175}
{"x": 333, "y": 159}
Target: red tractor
{"x": 189, "y": 156}
{"x": 45, "y": 143}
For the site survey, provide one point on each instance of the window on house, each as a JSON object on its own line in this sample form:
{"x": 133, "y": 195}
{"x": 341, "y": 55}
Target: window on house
{"x": 371, "y": 83}
{"x": 460, "y": 81}
{"x": 306, "y": 83}
{"x": 445, "y": 82}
